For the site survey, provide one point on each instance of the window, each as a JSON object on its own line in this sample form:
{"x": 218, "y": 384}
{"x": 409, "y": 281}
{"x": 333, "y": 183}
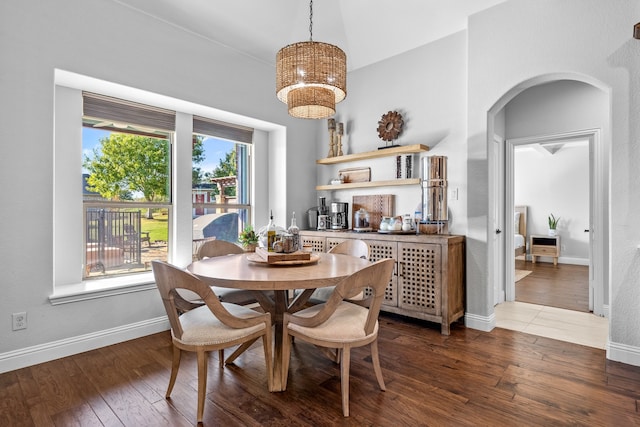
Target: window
{"x": 87, "y": 217}
{"x": 221, "y": 180}
{"x": 126, "y": 185}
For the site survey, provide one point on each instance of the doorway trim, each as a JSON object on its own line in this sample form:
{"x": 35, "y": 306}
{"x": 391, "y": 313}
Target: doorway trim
{"x": 596, "y": 210}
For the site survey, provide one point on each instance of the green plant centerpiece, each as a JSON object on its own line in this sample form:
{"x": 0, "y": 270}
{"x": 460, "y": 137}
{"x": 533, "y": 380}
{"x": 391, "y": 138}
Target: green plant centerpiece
{"x": 248, "y": 239}
{"x": 553, "y": 224}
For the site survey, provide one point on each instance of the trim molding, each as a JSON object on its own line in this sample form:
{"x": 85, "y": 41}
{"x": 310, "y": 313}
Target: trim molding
{"x": 28, "y": 356}
{"x": 482, "y": 323}
{"x": 623, "y": 353}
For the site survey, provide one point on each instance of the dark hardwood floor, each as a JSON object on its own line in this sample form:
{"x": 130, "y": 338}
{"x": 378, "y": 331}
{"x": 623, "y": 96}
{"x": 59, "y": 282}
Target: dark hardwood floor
{"x": 563, "y": 285}
{"x": 470, "y": 378}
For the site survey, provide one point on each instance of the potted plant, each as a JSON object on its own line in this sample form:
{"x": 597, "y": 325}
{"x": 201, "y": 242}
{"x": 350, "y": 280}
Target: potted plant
{"x": 248, "y": 239}
{"x": 553, "y": 224}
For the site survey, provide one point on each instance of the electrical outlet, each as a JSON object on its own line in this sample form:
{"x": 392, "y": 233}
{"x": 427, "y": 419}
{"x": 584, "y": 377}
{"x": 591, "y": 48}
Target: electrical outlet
{"x": 19, "y": 320}
{"x": 563, "y": 247}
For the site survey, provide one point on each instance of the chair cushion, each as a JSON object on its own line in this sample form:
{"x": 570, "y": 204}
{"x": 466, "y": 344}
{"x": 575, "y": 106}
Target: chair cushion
{"x": 201, "y": 327}
{"x": 345, "y": 325}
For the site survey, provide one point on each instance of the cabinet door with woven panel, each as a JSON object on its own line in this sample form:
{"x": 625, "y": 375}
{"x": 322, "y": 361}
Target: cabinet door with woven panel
{"x": 317, "y": 242}
{"x": 419, "y": 282}
{"x": 378, "y": 250}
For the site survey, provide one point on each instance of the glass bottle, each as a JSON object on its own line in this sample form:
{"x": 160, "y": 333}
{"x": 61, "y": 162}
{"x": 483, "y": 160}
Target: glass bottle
{"x": 294, "y": 230}
{"x": 271, "y": 233}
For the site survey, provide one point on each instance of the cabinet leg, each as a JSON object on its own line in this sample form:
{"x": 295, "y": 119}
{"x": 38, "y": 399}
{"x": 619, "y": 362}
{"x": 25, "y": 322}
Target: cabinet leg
{"x": 555, "y": 260}
{"x": 533, "y": 259}
{"x": 445, "y": 328}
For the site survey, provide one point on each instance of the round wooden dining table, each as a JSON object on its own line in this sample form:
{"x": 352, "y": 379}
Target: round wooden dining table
{"x": 271, "y": 285}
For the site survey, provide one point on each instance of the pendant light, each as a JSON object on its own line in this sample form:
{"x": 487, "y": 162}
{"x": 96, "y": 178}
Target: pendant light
{"x": 311, "y": 77}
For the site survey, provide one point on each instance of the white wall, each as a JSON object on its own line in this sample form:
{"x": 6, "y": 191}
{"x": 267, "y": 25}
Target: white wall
{"x": 107, "y": 41}
{"x": 513, "y": 44}
{"x": 427, "y": 86}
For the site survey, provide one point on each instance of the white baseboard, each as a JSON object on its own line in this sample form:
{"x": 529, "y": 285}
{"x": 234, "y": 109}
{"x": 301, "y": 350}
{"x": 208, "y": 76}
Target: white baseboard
{"x": 623, "y": 353}
{"x": 561, "y": 260}
{"x": 28, "y": 356}
{"x": 482, "y": 323}
{"x": 574, "y": 261}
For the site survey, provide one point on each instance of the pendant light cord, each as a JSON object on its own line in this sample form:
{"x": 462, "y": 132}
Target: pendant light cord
{"x": 311, "y": 20}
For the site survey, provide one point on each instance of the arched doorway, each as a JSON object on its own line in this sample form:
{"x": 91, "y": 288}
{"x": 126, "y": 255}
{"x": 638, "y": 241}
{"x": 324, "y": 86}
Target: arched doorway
{"x": 500, "y": 163}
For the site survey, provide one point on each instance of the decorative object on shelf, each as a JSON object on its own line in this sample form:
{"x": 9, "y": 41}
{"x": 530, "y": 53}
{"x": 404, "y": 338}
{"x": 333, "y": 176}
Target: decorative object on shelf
{"x": 553, "y": 225}
{"x": 408, "y": 166}
{"x": 398, "y": 167}
{"x": 311, "y": 77}
{"x": 355, "y": 174}
{"x": 339, "y": 139}
{"x": 390, "y": 127}
{"x": 331, "y": 123}
{"x": 248, "y": 239}
{"x": 636, "y": 31}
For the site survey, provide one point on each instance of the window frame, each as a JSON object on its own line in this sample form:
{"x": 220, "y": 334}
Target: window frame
{"x": 68, "y": 285}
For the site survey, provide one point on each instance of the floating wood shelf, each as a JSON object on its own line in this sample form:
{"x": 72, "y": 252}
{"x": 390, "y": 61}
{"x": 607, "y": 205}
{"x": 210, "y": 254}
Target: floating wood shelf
{"x": 392, "y": 182}
{"x": 385, "y": 152}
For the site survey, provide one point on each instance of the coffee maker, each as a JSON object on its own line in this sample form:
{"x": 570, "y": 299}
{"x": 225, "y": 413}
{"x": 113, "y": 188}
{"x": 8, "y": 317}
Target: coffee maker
{"x": 339, "y": 215}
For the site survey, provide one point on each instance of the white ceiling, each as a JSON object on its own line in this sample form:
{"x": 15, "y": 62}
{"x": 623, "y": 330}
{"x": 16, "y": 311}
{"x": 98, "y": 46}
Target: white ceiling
{"x": 367, "y": 30}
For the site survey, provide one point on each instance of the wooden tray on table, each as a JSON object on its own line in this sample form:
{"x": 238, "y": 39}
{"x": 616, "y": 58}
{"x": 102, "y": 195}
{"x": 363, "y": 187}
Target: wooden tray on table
{"x": 262, "y": 256}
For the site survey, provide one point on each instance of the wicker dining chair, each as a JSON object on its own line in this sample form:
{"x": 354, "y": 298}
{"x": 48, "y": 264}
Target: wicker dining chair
{"x": 342, "y": 325}
{"x": 213, "y": 326}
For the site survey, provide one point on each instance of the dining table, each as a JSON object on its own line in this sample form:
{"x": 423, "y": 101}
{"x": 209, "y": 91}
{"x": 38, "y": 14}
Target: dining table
{"x": 272, "y": 285}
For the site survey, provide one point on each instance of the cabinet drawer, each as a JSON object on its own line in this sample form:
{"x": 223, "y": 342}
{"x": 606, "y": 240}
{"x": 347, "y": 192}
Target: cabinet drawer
{"x": 544, "y": 241}
{"x": 544, "y": 250}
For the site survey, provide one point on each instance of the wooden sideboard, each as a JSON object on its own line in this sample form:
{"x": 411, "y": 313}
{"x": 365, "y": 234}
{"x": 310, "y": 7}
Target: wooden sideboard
{"x": 429, "y": 277}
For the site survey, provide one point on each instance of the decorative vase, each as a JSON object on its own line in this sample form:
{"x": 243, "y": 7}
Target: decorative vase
{"x": 552, "y": 232}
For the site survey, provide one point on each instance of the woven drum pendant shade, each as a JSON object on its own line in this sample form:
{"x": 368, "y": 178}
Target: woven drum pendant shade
{"x": 311, "y": 77}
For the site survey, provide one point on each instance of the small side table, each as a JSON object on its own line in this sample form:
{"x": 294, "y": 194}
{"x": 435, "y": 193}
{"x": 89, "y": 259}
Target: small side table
{"x": 544, "y": 246}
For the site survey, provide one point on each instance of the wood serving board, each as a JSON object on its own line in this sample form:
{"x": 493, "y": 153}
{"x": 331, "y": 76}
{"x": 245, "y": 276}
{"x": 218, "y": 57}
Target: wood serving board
{"x": 377, "y": 206}
{"x": 355, "y": 175}
{"x": 275, "y": 257}
{"x": 253, "y": 257}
